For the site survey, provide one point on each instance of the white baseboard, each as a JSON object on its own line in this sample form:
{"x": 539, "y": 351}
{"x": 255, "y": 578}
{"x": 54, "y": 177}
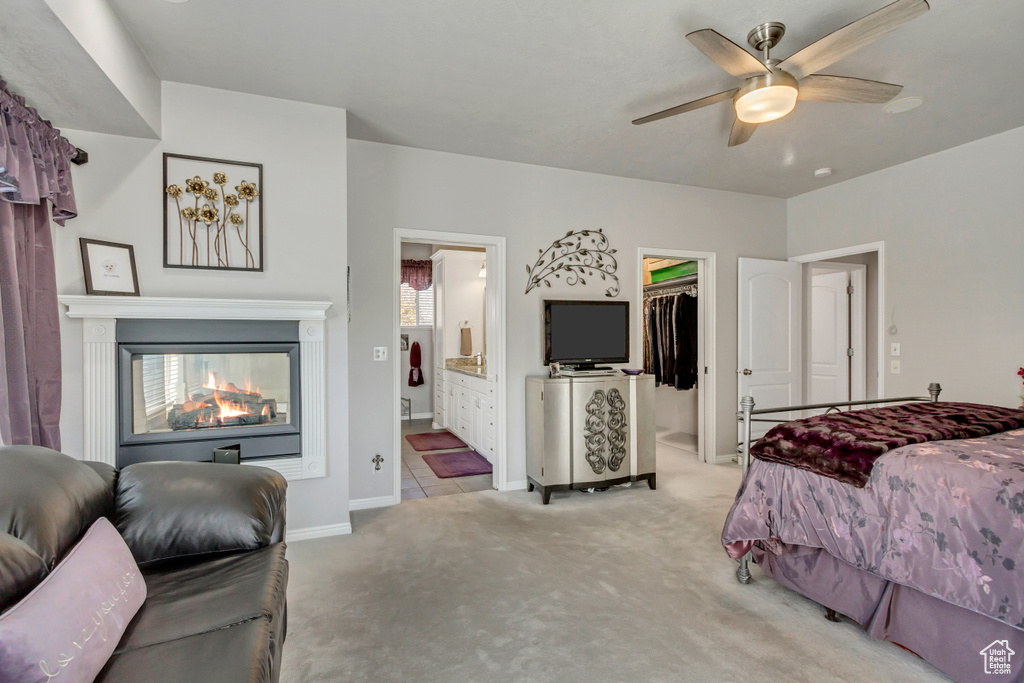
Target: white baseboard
{"x": 724, "y": 458}
{"x": 368, "y": 503}
{"x": 519, "y": 485}
{"x": 421, "y": 416}
{"x": 292, "y": 535}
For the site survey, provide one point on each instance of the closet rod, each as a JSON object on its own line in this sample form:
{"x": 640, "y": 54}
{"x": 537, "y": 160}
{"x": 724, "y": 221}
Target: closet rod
{"x": 669, "y": 284}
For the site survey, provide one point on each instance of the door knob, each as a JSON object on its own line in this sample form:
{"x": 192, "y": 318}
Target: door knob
{"x": 747, "y": 372}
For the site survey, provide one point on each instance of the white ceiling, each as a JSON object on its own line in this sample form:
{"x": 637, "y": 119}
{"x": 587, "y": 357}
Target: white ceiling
{"x": 42, "y": 61}
{"x": 557, "y": 83}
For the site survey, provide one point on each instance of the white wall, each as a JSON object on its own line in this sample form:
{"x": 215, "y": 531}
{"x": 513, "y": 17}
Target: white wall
{"x": 676, "y": 411}
{"x": 954, "y": 262}
{"x": 396, "y": 187}
{"x": 303, "y": 151}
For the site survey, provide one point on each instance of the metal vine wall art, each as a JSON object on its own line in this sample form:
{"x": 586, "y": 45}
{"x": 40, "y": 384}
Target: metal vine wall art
{"x": 578, "y": 255}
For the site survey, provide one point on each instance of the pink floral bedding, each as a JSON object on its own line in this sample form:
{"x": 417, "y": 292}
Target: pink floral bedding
{"x": 943, "y": 517}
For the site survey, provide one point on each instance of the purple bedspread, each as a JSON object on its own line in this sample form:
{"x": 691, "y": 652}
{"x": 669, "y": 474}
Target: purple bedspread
{"x": 844, "y": 446}
{"x": 945, "y": 518}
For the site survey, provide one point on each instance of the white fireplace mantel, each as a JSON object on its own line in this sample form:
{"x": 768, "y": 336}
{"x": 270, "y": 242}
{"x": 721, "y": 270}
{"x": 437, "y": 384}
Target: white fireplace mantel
{"x": 99, "y": 316}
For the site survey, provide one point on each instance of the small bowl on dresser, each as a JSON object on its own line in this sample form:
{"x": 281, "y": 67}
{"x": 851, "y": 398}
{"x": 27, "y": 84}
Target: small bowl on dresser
{"x": 632, "y": 371}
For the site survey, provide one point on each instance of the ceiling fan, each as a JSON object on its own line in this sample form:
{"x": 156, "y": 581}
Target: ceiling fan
{"x": 771, "y": 88}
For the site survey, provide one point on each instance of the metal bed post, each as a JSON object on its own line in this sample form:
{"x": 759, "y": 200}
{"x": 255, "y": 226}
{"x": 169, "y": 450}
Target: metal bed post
{"x": 746, "y": 406}
{"x": 747, "y": 412}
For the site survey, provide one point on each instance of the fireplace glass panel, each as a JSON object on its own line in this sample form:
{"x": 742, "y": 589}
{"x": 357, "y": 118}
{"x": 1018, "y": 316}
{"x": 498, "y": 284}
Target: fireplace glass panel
{"x": 174, "y": 392}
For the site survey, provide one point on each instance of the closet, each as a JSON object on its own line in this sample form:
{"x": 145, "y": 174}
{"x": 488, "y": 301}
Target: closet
{"x": 670, "y": 334}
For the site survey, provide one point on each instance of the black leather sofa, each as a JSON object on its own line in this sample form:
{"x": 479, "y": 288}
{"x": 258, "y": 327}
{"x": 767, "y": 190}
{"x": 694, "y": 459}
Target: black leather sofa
{"x": 209, "y": 542}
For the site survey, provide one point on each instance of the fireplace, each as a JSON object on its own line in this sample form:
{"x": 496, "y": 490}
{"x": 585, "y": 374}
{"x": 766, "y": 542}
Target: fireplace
{"x": 186, "y": 388}
{"x": 110, "y": 322}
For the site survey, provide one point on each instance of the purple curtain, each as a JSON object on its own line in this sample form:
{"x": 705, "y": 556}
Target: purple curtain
{"x": 417, "y": 274}
{"x": 34, "y": 171}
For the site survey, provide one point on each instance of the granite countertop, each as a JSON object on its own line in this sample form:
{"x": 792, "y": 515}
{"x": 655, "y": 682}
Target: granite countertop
{"x": 471, "y": 370}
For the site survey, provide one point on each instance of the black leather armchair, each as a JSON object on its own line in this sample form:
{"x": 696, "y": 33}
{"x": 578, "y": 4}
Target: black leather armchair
{"x": 208, "y": 539}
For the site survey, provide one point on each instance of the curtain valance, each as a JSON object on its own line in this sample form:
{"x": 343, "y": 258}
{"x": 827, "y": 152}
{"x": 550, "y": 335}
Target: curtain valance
{"x": 35, "y": 161}
{"x": 418, "y": 274}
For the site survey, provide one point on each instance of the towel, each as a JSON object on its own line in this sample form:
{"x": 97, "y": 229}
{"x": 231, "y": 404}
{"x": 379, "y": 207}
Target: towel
{"x": 466, "y": 347}
{"x": 415, "y": 359}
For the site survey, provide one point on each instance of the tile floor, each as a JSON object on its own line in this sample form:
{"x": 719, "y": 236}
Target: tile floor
{"x": 419, "y": 481}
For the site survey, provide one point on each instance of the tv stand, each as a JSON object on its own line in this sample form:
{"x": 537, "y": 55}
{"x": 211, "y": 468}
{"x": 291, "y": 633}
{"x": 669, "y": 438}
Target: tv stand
{"x": 589, "y": 432}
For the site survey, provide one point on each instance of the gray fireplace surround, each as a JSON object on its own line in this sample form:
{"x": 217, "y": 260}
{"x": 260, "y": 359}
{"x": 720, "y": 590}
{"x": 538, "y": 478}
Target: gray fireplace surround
{"x": 213, "y": 338}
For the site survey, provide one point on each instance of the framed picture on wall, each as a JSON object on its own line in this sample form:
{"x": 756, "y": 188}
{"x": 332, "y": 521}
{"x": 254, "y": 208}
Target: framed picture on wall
{"x": 213, "y": 213}
{"x": 109, "y": 268}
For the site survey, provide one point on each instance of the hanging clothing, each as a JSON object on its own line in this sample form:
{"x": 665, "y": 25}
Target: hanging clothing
{"x": 415, "y": 361}
{"x": 670, "y": 338}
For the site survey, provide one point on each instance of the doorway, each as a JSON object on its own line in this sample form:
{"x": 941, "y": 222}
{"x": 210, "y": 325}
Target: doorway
{"x": 868, "y": 312}
{"x": 448, "y": 429}
{"x": 836, "y": 325}
{"x": 776, "y": 359}
{"x": 676, "y": 292}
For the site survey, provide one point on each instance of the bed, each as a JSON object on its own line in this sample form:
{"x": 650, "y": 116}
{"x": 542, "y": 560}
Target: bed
{"x": 920, "y": 542}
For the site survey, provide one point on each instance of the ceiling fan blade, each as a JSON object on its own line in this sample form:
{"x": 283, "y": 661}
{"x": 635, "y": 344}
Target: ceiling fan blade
{"x": 741, "y": 132}
{"x": 852, "y": 37}
{"x": 726, "y": 53}
{"x": 822, "y": 88}
{"x": 689, "y": 106}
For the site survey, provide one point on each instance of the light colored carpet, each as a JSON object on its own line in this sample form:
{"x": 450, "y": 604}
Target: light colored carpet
{"x": 627, "y": 585}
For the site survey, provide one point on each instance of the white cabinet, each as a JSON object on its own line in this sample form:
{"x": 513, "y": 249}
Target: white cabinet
{"x": 470, "y": 411}
{"x": 589, "y": 432}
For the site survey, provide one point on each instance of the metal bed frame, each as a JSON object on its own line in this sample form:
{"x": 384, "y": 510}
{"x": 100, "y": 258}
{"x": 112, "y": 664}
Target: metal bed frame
{"x": 746, "y": 416}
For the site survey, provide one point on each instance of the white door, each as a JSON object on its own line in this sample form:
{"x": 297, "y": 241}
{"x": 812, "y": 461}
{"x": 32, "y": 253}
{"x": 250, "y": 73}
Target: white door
{"x": 830, "y": 337}
{"x": 769, "y": 330}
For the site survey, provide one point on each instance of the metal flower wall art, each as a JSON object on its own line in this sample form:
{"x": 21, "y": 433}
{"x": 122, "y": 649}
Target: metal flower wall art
{"x": 209, "y": 225}
{"x": 574, "y": 258}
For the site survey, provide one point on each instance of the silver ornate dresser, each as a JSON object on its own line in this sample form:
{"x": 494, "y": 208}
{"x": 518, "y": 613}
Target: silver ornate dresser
{"x": 589, "y": 432}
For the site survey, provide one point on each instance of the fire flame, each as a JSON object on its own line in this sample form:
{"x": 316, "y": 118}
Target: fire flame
{"x": 211, "y": 383}
{"x": 231, "y": 408}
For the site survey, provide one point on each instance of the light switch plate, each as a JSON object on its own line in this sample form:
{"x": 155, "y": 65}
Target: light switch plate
{"x": 894, "y": 367}
{"x": 894, "y": 349}
{"x": 380, "y": 353}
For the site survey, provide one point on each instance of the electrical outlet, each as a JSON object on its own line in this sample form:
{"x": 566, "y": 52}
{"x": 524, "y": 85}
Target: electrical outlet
{"x": 380, "y": 353}
{"x": 894, "y": 349}
{"x": 894, "y": 367}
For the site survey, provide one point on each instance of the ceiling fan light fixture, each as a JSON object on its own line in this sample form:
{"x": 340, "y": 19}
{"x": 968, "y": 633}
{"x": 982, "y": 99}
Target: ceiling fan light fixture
{"x": 766, "y": 97}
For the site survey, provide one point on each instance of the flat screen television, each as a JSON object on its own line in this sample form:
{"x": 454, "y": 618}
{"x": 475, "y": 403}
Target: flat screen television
{"x": 586, "y": 332}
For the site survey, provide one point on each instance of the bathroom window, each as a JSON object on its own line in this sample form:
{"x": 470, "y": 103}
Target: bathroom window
{"x": 417, "y": 308}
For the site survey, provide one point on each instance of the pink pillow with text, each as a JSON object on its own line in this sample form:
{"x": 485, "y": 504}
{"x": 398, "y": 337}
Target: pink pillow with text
{"x": 66, "y": 629}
